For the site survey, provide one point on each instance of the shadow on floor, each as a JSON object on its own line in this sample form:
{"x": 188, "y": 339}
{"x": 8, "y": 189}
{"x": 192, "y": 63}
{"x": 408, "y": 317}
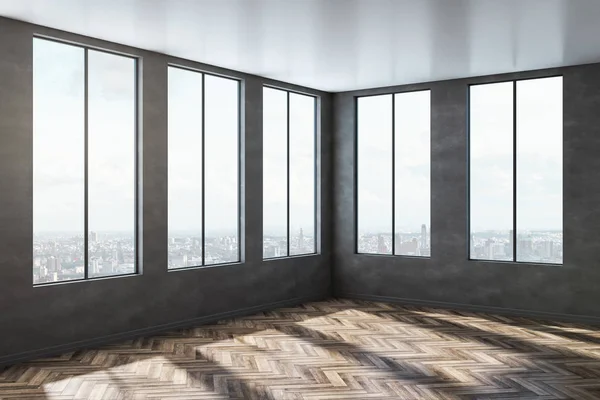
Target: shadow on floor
{"x": 297, "y": 354}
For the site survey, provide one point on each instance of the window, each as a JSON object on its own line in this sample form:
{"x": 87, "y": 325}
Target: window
{"x": 84, "y": 163}
{"x": 203, "y": 169}
{"x": 515, "y": 165}
{"x": 393, "y": 174}
{"x": 289, "y": 173}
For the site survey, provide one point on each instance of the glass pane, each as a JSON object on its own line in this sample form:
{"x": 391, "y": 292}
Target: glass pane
{"x": 111, "y": 164}
{"x": 302, "y": 174}
{"x": 539, "y": 170}
{"x": 491, "y": 171}
{"x": 58, "y": 161}
{"x": 221, "y": 175}
{"x": 185, "y": 168}
{"x": 275, "y": 235}
{"x": 374, "y": 169}
{"x": 413, "y": 182}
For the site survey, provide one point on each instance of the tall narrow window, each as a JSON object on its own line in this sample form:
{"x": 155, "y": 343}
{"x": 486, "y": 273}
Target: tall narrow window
{"x": 289, "y": 177}
{"x": 515, "y": 141}
{"x": 84, "y": 156}
{"x": 203, "y": 169}
{"x": 393, "y": 174}
{"x": 412, "y": 177}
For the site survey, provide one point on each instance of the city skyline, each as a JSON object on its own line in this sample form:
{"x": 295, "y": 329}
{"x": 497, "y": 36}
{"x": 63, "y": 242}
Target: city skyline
{"x": 410, "y": 243}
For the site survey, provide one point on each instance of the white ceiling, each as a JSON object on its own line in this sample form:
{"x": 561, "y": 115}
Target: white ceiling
{"x": 338, "y": 45}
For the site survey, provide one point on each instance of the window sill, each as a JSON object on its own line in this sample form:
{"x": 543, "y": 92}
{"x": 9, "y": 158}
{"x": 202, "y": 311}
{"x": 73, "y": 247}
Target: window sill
{"x": 292, "y": 257}
{"x": 195, "y": 267}
{"x": 394, "y": 256}
{"x": 99, "y": 278}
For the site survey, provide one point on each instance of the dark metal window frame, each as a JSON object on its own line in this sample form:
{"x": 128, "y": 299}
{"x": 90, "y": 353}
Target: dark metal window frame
{"x": 203, "y": 178}
{"x": 393, "y": 105}
{"x": 316, "y": 172}
{"x": 514, "y": 175}
{"x": 137, "y": 237}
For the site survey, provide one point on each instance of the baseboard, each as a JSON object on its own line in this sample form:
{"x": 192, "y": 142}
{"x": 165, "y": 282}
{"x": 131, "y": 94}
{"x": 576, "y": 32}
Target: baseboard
{"x": 577, "y": 318}
{"x": 103, "y": 340}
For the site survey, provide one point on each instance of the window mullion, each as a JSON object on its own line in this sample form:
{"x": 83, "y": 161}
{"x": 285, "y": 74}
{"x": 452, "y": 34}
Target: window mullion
{"x": 289, "y": 237}
{"x": 86, "y": 167}
{"x": 393, "y": 174}
{"x": 514, "y": 235}
{"x": 203, "y": 177}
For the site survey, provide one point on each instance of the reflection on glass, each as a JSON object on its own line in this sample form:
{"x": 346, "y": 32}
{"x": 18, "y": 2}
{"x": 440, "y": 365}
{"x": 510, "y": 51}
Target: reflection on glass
{"x": 275, "y": 200}
{"x": 111, "y": 164}
{"x": 539, "y": 170}
{"x": 221, "y": 115}
{"x": 302, "y": 174}
{"x": 58, "y": 162}
{"x": 374, "y": 170}
{"x": 413, "y": 183}
{"x": 491, "y": 171}
{"x": 185, "y": 168}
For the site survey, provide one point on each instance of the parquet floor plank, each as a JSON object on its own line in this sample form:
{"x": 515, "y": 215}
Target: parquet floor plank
{"x": 336, "y": 349}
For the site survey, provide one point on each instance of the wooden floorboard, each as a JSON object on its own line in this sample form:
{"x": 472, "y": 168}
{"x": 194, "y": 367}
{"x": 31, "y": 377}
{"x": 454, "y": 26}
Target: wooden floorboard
{"x": 336, "y": 349}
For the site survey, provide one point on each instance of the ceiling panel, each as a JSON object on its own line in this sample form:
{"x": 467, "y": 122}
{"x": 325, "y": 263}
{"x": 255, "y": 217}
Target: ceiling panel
{"x": 339, "y": 45}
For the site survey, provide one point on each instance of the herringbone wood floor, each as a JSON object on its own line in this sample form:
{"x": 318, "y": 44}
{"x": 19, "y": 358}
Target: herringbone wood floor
{"x": 338, "y": 349}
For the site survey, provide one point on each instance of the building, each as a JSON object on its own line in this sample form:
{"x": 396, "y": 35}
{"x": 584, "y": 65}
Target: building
{"x": 381, "y": 246}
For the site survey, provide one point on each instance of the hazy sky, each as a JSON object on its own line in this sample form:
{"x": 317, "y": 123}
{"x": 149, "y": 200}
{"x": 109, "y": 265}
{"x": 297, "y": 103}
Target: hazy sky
{"x": 539, "y": 158}
{"x": 412, "y": 147}
{"x": 59, "y": 144}
{"x": 302, "y": 162}
{"x": 59, "y": 164}
{"x": 185, "y": 153}
{"x": 539, "y": 155}
{"x": 59, "y": 139}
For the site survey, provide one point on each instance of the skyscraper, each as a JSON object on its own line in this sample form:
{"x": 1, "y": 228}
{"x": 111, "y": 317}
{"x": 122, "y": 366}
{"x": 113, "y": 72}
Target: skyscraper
{"x": 423, "y": 243}
{"x": 95, "y": 266}
{"x": 93, "y": 237}
{"x": 301, "y": 240}
{"x": 381, "y": 247}
{"x": 51, "y": 264}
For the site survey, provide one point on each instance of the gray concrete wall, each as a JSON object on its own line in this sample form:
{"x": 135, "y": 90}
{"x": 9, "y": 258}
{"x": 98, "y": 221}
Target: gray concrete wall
{"x": 39, "y": 320}
{"x": 448, "y": 277}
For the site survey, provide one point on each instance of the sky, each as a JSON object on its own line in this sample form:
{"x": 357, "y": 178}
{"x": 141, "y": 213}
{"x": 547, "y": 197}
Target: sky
{"x": 59, "y": 148}
{"x": 539, "y": 155}
{"x": 221, "y": 124}
{"x": 59, "y": 143}
{"x": 58, "y": 76}
{"x": 412, "y": 162}
{"x": 539, "y": 158}
{"x": 302, "y": 163}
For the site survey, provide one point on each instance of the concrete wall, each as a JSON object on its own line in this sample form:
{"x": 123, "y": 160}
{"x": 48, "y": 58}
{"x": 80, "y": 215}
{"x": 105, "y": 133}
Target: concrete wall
{"x": 448, "y": 277}
{"x": 47, "y": 319}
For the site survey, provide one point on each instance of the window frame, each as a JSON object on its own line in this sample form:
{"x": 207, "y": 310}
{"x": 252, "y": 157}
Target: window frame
{"x": 316, "y": 161}
{"x": 514, "y": 82}
{"x": 136, "y": 161}
{"x": 393, "y": 167}
{"x": 240, "y": 160}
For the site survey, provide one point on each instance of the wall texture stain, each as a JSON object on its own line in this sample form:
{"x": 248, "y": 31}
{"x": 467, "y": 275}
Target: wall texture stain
{"x": 448, "y": 276}
{"x": 37, "y": 318}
